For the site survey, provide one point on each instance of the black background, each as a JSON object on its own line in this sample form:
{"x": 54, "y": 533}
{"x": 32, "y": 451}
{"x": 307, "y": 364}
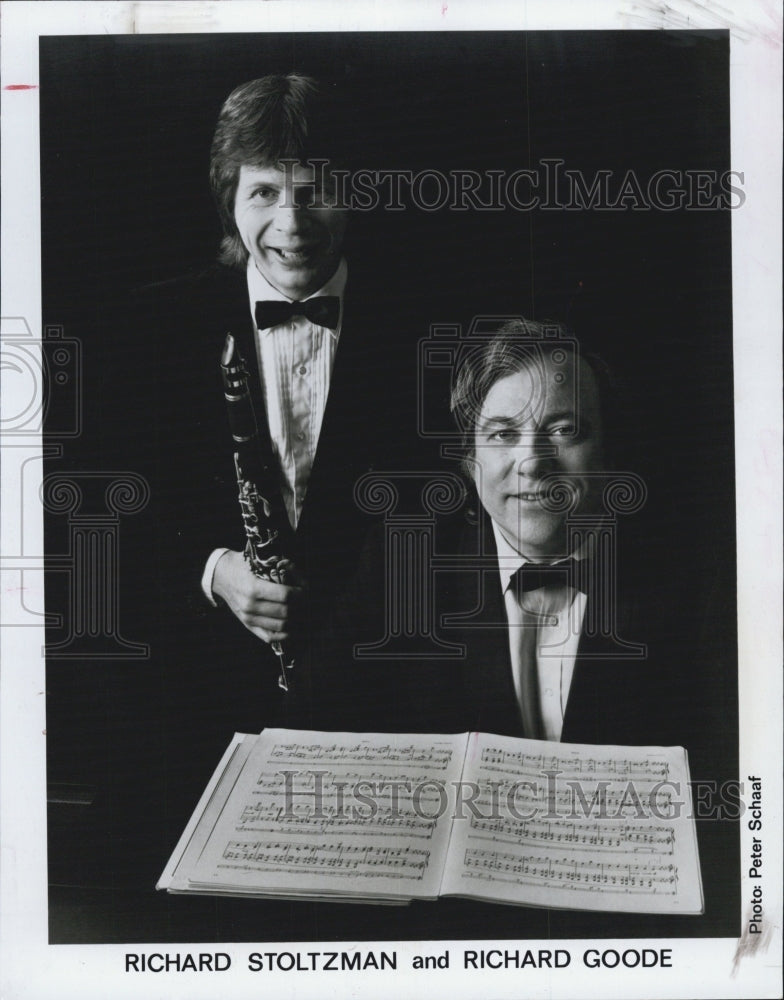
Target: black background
{"x": 126, "y": 124}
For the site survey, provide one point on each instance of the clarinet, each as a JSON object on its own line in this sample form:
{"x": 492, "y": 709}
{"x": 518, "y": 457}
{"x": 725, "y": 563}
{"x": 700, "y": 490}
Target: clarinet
{"x": 263, "y": 514}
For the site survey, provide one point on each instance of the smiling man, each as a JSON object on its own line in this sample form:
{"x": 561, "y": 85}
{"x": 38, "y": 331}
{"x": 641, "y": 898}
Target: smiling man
{"x": 332, "y": 381}
{"x": 541, "y": 422}
{"x": 281, "y": 225}
{"x": 561, "y": 615}
{"x": 531, "y": 413}
{"x": 290, "y": 230}
{"x": 574, "y": 626}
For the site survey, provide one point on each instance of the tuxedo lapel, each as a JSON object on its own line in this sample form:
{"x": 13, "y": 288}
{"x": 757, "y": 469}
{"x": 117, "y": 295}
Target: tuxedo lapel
{"x": 609, "y": 696}
{"x": 611, "y": 699}
{"x": 491, "y": 700}
{"x": 369, "y": 417}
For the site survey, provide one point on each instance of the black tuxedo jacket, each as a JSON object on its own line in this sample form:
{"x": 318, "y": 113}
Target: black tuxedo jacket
{"x": 218, "y": 675}
{"x": 617, "y": 674}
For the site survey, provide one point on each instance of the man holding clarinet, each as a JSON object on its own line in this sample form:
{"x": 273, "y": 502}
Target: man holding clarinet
{"x": 284, "y": 227}
{"x": 330, "y": 381}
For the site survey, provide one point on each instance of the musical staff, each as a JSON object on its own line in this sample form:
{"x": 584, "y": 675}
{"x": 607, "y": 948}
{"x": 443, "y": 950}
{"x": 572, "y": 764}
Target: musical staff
{"x": 564, "y": 799}
{"x": 263, "y": 818}
{"x": 597, "y": 836}
{"x": 567, "y": 873}
{"x": 347, "y": 860}
{"x": 362, "y": 753}
{"x": 305, "y": 780}
{"x": 523, "y": 764}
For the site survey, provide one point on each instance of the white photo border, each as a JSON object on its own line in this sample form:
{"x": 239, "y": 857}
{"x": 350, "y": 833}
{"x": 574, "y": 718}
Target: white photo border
{"x": 702, "y": 968}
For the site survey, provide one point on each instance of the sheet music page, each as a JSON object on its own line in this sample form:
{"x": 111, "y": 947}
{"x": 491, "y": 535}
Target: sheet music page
{"x": 569, "y": 825}
{"x": 320, "y": 814}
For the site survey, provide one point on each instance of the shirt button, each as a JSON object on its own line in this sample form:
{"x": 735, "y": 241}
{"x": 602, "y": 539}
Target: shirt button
{"x": 300, "y": 435}
{"x": 548, "y": 692}
{"x": 302, "y": 370}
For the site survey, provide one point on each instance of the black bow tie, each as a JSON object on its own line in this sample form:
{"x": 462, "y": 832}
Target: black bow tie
{"x": 323, "y": 311}
{"x": 571, "y": 572}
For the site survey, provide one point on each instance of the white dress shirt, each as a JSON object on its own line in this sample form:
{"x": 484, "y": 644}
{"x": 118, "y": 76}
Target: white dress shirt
{"x": 295, "y": 362}
{"x": 544, "y": 633}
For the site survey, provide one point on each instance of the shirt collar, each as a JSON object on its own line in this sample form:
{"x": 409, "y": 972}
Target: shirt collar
{"x": 510, "y": 560}
{"x": 259, "y": 289}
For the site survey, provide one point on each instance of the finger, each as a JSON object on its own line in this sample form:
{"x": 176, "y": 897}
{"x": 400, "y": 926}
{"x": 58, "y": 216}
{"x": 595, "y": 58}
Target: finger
{"x": 276, "y": 628}
{"x": 264, "y": 590}
{"x": 268, "y": 635}
{"x": 264, "y": 605}
{"x": 269, "y": 624}
{"x": 268, "y": 609}
{"x": 256, "y": 612}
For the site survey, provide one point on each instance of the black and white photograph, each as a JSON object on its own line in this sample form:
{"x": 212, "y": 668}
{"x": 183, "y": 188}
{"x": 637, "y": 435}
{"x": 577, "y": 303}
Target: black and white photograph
{"x": 391, "y": 501}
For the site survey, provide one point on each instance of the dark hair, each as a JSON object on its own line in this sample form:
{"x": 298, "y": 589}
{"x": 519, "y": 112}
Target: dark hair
{"x": 261, "y": 123}
{"x": 514, "y": 346}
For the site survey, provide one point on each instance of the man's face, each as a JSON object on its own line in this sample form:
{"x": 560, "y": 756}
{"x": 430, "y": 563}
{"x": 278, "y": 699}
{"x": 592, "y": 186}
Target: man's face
{"x": 288, "y": 226}
{"x": 533, "y": 423}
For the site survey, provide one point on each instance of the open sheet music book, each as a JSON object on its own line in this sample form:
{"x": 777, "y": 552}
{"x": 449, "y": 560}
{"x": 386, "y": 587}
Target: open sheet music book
{"x": 391, "y": 818}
